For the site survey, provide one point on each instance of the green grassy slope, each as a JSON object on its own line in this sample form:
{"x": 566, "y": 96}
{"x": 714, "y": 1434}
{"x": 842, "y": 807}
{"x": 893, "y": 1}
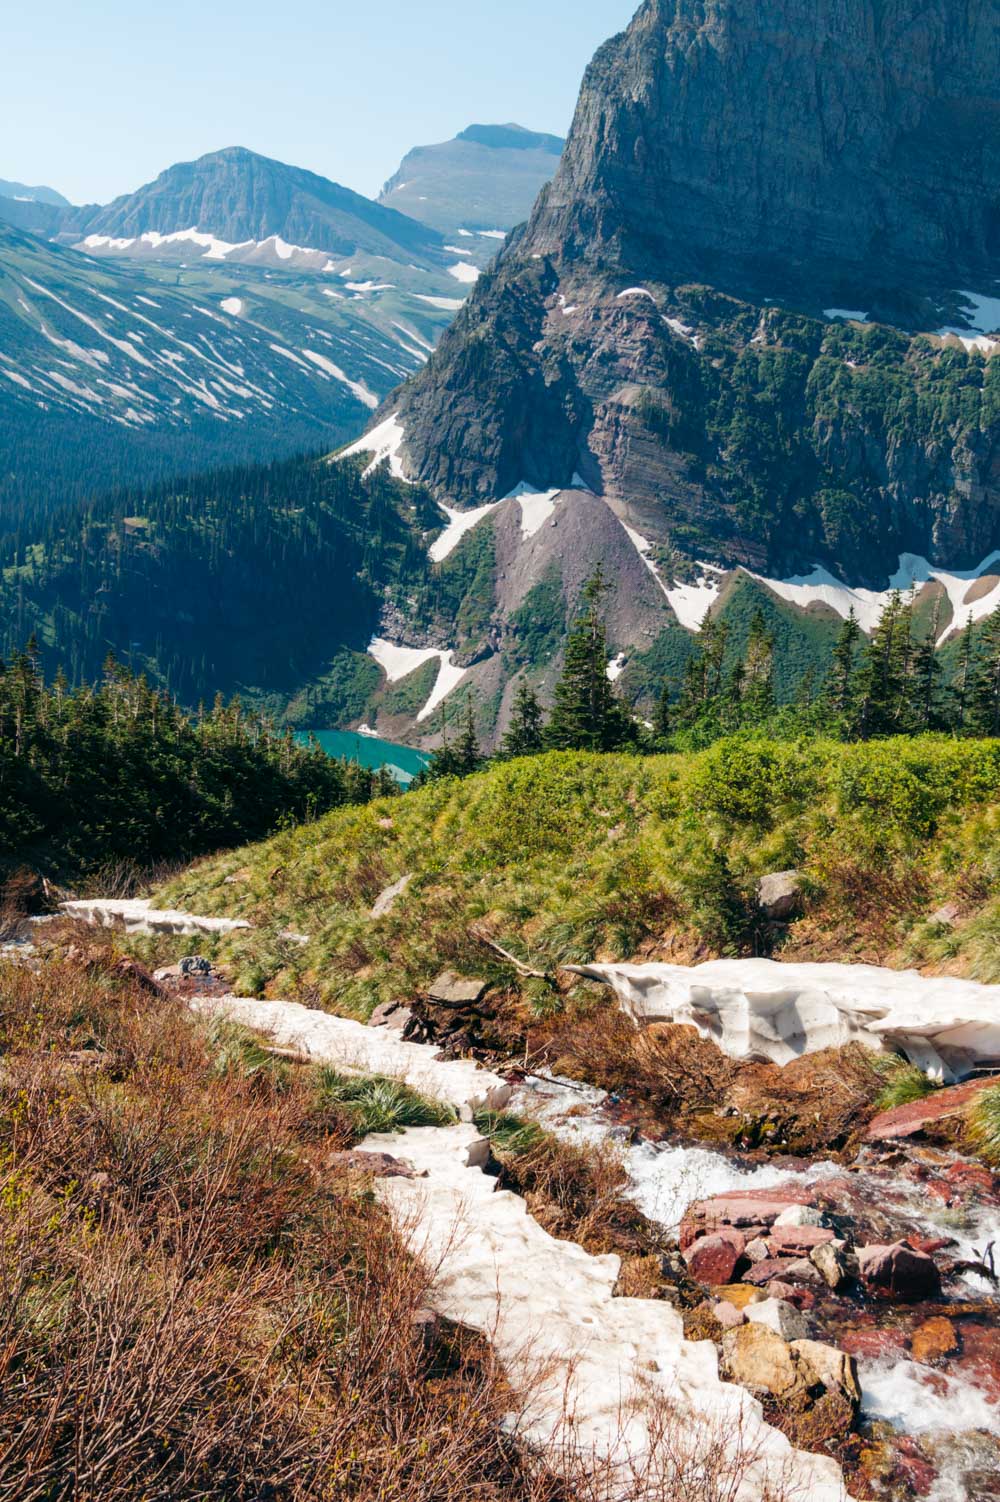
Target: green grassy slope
{"x": 565, "y": 856}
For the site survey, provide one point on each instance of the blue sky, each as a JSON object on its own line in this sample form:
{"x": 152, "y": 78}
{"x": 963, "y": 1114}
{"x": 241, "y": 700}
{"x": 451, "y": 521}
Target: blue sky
{"x": 98, "y": 98}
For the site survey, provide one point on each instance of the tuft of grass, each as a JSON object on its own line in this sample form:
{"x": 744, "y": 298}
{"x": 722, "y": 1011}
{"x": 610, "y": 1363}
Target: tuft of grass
{"x": 236, "y": 1052}
{"x": 509, "y": 1133}
{"x": 378, "y": 1104}
{"x": 984, "y": 1124}
{"x": 903, "y": 1082}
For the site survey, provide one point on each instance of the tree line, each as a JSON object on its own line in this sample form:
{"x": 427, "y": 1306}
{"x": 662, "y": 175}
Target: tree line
{"x": 115, "y": 772}
{"x": 891, "y": 683}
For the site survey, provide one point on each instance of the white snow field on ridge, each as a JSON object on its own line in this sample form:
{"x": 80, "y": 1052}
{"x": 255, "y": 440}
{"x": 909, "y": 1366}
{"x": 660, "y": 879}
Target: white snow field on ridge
{"x": 762, "y": 1009}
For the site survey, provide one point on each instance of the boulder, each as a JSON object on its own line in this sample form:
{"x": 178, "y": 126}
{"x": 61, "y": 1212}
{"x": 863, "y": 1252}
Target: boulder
{"x": 830, "y": 1368}
{"x": 391, "y": 1014}
{"x": 386, "y": 901}
{"x": 378, "y": 1165}
{"x": 779, "y": 1316}
{"x": 899, "y": 1270}
{"x": 918, "y": 1115}
{"x": 829, "y": 1262}
{"x": 800, "y": 1215}
{"x": 801, "y": 1239}
{"x": 764, "y": 1272}
{"x": 712, "y": 1259}
{"x": 740, "y": 1295}
{"x": 758, "y": 1250}
{"x": 801, "y": 1270}
{"x": 456, "y": 991}
{"x": 934, "y": 1339}
{"x": 728, "y": 1315}
{"x": 194, "y": 964}
{"x": 779, "y": 895}
{"x": 756, "y": 1357}
{"x": 793, "y": 1293}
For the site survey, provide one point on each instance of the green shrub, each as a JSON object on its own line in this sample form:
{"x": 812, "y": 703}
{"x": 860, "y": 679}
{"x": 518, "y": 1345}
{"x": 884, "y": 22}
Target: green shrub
{"x": 903, "y": 1082}
{"x": 509, "y": 1133}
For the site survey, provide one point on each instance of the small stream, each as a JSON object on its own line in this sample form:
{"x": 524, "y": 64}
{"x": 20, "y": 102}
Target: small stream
{"x": 953, "y": 1413}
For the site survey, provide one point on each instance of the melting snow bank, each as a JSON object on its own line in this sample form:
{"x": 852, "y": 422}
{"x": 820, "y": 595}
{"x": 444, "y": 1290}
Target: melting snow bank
{"x": 137, "y": 916}
{"x": 598, "y": 1375}
{"x": 766, "y": 1010}
{"x": 357, "y": 1049}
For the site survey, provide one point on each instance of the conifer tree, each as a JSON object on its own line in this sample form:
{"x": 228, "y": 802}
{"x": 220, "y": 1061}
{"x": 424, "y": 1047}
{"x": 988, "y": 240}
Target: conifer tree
{"x": 984, "y": 694}
{"x": 525, "y": 735}
{"x": 883, "y": 679}
{"x": 587, "y": 714}
{"x": 757, "y": 689}
{"x": 663, "y": 714}
{"x": 841, "y": 685}
{"x": 925, "y": 699}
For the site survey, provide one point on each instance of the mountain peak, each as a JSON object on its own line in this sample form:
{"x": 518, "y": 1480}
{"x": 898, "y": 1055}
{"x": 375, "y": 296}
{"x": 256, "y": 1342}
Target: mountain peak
{"x": 239, "y": 196}
{"x": 789, "y": 143}
{"x": 487, "y": 178}
{"x": 511, "y": 138}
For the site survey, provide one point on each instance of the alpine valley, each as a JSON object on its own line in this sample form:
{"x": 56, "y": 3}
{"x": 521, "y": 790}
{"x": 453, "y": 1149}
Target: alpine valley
{"x": 235, "y": 309}
{"x": 741, "y": 356}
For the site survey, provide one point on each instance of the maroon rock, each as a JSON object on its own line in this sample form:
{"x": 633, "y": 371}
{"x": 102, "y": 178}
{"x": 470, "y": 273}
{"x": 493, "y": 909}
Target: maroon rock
{"x": 712, "y": 1259}
{"x": 765, "y": 1272}
{"x": 899, "y": 1270}
{"x": 800, "y": 1239}
{"x": 909, "y": 1120}
{"x": 980, "y": 1361}
{"x": 872, "y": 1343}
{"x": 792, "y": 1293}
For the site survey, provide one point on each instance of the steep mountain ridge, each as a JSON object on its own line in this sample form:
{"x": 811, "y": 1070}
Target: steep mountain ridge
{"x": 631, "y": 333}
{"x": 239, "y": 196}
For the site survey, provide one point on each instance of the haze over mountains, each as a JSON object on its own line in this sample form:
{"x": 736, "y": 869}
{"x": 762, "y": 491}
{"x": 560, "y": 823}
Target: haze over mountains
{"x": 315, "y": 300}
{"x": 487, "y": 178}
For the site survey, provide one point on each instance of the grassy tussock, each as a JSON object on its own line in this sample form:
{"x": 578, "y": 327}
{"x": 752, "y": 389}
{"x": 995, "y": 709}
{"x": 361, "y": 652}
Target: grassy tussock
{"x": 984, "y": 1125}
{"x": 564, "y": 857}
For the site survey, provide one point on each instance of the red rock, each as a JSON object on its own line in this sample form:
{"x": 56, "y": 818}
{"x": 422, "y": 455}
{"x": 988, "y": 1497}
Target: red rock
{"x": 980, "y": 1361}
{"x": 899, "y": 1270}
{"x": 793, "y": 1293}
{"x": 973, "y": 1176}
{"x": 765, "y": 1272}
{"x": 932, "y": 1245}
{"x": 873, "y": 1343}
{"x": 933, "y": 1339}
{"x": 712, "y": 1259}
{"x": 909, "y": 1120}
{"x": 797, "y": 1238}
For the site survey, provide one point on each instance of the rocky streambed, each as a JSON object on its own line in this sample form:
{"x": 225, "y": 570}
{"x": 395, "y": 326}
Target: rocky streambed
{"x": 888, "y": 1261}
{"x": 839, "y": 1316}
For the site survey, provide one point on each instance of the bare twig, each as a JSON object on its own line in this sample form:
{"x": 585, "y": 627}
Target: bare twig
{"x": 519, "y": 965}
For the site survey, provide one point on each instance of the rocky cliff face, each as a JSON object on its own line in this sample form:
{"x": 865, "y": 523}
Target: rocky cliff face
{"x": 663, "y": 324}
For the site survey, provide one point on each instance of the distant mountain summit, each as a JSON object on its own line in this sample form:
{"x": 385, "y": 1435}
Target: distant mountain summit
{"x": 487, "y": 178}
{"x": 239, "y": 197}
{"x": 23, "y": 194}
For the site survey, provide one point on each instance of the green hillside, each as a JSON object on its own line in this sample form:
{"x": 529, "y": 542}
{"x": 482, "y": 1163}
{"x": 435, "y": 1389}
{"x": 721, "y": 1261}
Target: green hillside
{"x": 567, "y": 856}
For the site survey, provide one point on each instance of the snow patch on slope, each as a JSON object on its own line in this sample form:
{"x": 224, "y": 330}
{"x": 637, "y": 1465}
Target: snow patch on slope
{"x": 463, "y": 272}
{"x": 459, "y": 522}
{"x": 384, "y": 442}
{"x": 399, "y": 662}
{"x": 822, "y": 587}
